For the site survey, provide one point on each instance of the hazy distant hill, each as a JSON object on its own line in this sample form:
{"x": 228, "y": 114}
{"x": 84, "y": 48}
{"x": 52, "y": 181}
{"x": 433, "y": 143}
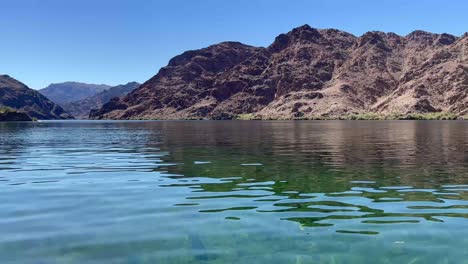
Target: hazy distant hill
{"x": 62, "y": 93}
{"x": 82, "y": 108}
{"x": 307, "y": 73}
{"x": 16, "y": 95}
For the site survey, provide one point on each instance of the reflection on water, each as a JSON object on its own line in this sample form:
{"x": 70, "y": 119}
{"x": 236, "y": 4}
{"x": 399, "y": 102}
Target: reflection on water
{"x": 234, "y": 192}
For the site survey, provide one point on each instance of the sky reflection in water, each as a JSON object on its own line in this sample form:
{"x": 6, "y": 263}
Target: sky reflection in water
{"x": 234, "y": 192}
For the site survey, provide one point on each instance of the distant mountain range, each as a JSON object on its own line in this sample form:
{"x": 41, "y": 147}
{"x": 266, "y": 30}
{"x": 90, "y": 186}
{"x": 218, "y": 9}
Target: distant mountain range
{"x": 17, "y": 96}
{"x": 79, "y": 99}
{"x": 82, "y": 108}
{"x": 67, "y": 92}
{"x": 21, "y": 103}
{"x": 307, "y": 73}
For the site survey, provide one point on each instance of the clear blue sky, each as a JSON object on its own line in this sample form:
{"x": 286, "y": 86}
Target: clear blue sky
{"x": 116, "y": 41}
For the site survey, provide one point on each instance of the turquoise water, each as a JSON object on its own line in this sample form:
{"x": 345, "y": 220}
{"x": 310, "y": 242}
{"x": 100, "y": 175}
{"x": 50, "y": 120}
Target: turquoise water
{"x": 234, "y": 192}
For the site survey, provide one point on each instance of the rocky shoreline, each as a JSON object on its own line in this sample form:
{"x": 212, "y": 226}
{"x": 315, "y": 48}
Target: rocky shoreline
{"x": 10, "y": 115}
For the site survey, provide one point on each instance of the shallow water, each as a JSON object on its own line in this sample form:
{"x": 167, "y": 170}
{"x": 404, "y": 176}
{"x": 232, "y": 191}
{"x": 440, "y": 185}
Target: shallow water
{"x": 234, "y": 192}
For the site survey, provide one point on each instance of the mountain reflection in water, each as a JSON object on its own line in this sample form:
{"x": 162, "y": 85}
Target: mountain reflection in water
{"x": 234, "y": 191}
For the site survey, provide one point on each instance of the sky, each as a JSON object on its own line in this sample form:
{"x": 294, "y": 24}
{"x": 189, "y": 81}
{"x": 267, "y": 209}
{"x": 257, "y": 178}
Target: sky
{"x": 117, "y": 41}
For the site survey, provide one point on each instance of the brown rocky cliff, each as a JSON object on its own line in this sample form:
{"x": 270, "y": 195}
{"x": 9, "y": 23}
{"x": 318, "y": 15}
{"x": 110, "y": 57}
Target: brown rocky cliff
{"x": 307, "y": 73}
{"x": 16, "y": 95}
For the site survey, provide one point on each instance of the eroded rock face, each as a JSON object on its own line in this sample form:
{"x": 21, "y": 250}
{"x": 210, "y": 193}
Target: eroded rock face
{"x": 307, "y": 73}
{"x": 16, "y": 95}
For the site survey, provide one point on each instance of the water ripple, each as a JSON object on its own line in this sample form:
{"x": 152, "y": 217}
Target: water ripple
{"x": 234, "y": 192}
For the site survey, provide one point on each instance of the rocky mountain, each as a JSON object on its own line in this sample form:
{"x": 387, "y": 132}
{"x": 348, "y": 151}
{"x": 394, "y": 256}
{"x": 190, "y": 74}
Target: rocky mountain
{"x": 307, "y": 73}
{"x": 16, "y": 95}
{"x": 67, "y": 92}
{"x": 82, "y": 108}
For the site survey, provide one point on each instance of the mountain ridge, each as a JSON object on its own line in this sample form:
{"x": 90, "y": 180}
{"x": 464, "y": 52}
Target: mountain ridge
{"x": 17, "y": 96}
{"x": 83, "y": 107}
{"x": 67, "y": 92}
{"x": 307, "y": 73}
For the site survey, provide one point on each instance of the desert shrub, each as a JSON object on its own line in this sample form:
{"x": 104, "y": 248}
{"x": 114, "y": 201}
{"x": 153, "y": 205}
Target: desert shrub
{"x": 365, "y": 116}
{"x": 248, "y": 116}
{"x": 429, "y": 116}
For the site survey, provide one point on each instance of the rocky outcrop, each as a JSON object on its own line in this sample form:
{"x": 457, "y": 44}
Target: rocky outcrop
{"x": 17, "y": 96}
{"x": 307, "y": 73}
{"x": 9, "y": 115}
{"x": 67, "y": 92}
{"x": 82, "y": 108}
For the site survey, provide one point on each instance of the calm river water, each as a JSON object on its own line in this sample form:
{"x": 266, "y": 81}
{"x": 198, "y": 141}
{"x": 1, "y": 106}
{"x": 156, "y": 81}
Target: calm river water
{"x": 234, "y": 192}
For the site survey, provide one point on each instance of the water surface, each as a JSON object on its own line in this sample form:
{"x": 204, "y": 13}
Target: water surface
{"x": 234, "y": 192}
